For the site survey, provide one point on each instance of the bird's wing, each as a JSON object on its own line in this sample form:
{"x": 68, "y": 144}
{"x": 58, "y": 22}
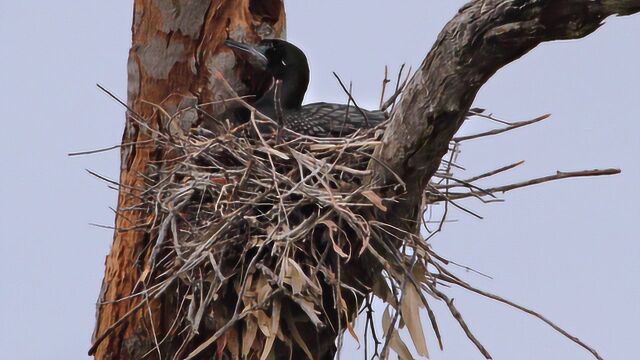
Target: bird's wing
{"x": 325, "y": 119}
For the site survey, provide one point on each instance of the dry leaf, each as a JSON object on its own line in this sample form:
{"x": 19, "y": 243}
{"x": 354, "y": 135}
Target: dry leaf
{"x": 249, "y": 335}
{"x": 395, "y": 342}
{"x": 332, "y": 229}
{"x": 309, "y": 309}
{"x": 410, "y": 310}
{"x": 298, "y": 278}
{"x": 293, "y": 329}
{"x": 264, "y": 322}
{"x": 375, "y": 199}
{"x": 398, "y": 345}
{"x": 275, "y": 152}
{"x": 353, "y": 333}
{"x": 275, "y": 325}
{"x": 382, "y": 291}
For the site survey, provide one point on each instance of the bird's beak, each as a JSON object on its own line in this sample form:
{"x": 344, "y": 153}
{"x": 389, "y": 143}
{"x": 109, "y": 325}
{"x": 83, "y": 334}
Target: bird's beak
{"x": 252, "y": 53}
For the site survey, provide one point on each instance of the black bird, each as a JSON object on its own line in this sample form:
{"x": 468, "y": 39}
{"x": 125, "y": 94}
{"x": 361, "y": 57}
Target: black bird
{"x": 289, "y": 69}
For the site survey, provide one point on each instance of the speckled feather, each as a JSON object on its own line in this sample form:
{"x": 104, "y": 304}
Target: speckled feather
{"x": 330, "y": 120}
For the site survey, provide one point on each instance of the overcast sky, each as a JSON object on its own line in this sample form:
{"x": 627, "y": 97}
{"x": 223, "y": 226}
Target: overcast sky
{"x": 568, "y": 249}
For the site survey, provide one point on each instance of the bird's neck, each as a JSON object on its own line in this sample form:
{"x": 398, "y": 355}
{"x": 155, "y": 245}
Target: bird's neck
{"x": 291, "y": 89}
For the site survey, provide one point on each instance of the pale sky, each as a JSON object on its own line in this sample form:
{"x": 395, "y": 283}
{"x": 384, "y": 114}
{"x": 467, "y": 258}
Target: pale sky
{"x": 569, "y": 249}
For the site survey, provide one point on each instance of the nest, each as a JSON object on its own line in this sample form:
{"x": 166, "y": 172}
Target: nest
{"x": 265, "y": 241}
{"x": 270, "y": 226}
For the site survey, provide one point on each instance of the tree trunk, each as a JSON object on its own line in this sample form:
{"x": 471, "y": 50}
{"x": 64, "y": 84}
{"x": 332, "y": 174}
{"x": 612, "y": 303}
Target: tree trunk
{"x": 175, "y": 56}
{"x": 176, "y": 52}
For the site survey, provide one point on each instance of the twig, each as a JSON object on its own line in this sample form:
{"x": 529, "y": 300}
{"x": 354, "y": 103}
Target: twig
{"x": 79, "y": 153}
{"x": 500, "y": 131}
{"x": 525, "y": 310}
{"x": 385, "y": 81}
{"x": 558, "y": 176}
{"x": 495, "y": 172}
{"x": 366, "y": 118}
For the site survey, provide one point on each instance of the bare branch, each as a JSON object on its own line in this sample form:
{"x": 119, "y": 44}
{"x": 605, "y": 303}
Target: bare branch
{"x": 482, "y": 38}
{"x": 558, "y": 176}
{"x": 503, "y": 130}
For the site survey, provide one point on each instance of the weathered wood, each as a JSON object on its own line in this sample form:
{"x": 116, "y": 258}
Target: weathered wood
{"x": 483, "y": 37}
{"x": 176, "y": 51}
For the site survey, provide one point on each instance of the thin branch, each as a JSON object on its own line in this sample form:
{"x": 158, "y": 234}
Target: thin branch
{"x": 558, "y": 176}
{"x": 366, "y": 119}
{"x": 89, "y": 152}
{"x": 495, "y": 172}
{"x": 513, "y": 126}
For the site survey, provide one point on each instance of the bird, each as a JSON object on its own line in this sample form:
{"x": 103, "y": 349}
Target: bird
{"x": 288, "y": 67}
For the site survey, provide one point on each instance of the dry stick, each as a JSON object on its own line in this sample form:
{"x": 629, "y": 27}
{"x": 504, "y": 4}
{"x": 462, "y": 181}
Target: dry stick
{"x": 558, "y": 176}
{"x": 129, "y": 297}
{"x": 109, "y": 330}
{"x": 464, "y": 285}
{"x": 277, "y": 100}
{"x": 462, "y": 183}
{"x": 366, "y": 119}
{"x": 236, "y": 314}
{"x": 473, "y": 112}
{"x": 137, "y": 118}
{"x": 388, "y": 334}
{"x": 392, "y": 99}
{"x": 108, "y": 227}
{"x": 121, "y": 213}
{"x": 174, "y": 324}
{"x": 450, "y": 198}
{"x": 393, "y": 103}
{"x": 89, "y": 152}
{"x": 446, "y": 203}
{"x": 456, "y": 315}
{"x": 500, "y": 131}
{"x": 495, "y": 172}
{"x": 153, "y": 327}
{"x": 234, "y": 97}
{"x": 338, "y": 305}
{"x": 370, "y": 322}
{"x": 346, "y": 113}
{"x": 385, "y": 81}
{"x": 122, "y": 319}
{"x": 409, "y": 275}
{"x": 383, "y": 164}
{"x": 465, "y": 267}
{"x": 236, "y": 317}
{"x": 105, "y": 179}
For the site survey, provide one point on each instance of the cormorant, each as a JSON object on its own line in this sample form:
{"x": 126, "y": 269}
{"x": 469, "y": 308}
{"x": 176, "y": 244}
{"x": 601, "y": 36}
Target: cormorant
{"x": 289, "y": 69}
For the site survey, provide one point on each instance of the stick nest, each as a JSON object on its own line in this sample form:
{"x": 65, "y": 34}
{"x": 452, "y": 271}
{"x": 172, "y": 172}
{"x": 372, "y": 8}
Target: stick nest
{"x": 266, "y": 227}
{"x": 267, "y": 242}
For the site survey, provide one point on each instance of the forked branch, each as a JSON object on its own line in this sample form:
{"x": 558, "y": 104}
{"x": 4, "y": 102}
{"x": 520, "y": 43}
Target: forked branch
{"x": 483, "y": 37}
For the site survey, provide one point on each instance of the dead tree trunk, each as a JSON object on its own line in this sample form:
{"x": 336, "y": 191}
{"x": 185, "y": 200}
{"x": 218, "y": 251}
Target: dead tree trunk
{"x": 176, "y": 51}
{"x": 175, "y": 55}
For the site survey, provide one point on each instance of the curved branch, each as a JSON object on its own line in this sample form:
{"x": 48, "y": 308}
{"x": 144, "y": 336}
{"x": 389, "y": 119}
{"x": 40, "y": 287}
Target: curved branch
{"x": 483, "y": 37}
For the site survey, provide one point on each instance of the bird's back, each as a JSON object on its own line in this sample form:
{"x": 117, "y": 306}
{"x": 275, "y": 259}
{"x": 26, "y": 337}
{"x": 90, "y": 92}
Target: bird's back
{"x": 331, "y": 120}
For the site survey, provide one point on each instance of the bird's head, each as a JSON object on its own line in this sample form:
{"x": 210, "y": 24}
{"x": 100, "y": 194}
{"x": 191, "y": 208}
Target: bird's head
{"x": 278, "y": 57}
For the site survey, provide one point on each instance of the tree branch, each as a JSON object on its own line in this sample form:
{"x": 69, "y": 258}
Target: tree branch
{"x": 482, "y": 38}
{"x": 559, "y": 175}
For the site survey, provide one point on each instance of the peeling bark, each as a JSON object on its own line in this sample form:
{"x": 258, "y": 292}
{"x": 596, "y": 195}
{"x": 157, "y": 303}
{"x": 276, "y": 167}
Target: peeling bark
{"x": 176, "y": 50}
